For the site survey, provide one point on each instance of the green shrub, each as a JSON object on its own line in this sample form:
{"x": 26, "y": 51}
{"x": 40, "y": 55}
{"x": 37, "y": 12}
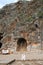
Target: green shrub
{"x": 30, "y": 19}
{"x": 40, "y": 14}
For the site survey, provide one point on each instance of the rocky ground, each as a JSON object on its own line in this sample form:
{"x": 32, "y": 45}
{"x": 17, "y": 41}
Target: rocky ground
{"x": 27, "y": 63}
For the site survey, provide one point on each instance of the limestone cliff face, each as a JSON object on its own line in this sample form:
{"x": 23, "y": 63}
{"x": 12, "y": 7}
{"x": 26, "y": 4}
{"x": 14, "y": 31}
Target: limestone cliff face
{"x": 21, "y": 18}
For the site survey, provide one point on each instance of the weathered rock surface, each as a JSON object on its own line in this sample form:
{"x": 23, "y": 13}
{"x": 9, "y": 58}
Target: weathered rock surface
{"x": 22, "y": 19}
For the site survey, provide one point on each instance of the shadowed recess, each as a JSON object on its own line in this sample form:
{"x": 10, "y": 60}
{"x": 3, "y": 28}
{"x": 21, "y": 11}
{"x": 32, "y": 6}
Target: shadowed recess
{"x": 21, "y": 44}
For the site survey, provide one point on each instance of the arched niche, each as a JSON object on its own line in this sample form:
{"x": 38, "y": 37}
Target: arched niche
{"x": 21, "y": 44}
